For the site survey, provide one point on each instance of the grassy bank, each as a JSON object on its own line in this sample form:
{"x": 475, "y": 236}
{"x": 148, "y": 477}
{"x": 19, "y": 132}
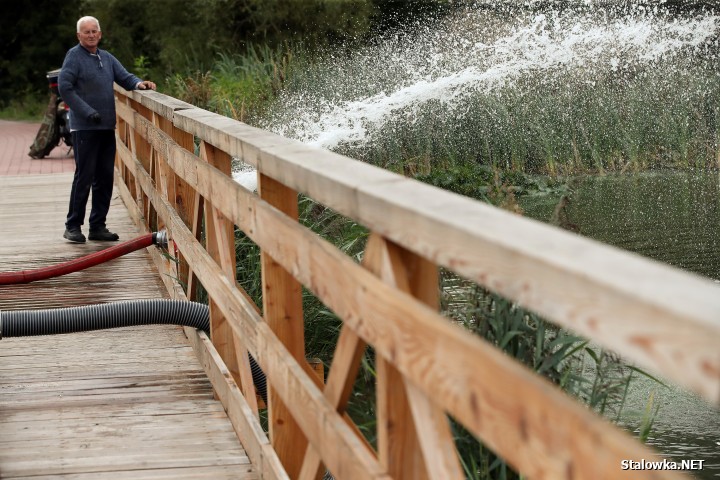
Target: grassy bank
{"x": 26, "y": 108}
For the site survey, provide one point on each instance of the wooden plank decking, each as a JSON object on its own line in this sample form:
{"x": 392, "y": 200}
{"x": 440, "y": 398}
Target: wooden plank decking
{"x": 125, "y": 403}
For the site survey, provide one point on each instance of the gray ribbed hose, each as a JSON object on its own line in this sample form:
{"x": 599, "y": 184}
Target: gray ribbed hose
{"x": 25, "y": 323}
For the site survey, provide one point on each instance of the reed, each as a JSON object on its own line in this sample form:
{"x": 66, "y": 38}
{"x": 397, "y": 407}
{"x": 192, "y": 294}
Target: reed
{"x": 595, "y": 377}
{"x": 493, "y": 148}
{"x": 545, "y": 91}
{"x": 238, "y": 85}
{"x": 572, "y": 128}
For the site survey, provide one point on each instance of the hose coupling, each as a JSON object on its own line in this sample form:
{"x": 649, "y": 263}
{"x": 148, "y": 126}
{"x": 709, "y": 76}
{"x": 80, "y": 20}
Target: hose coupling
{"x": 161, "y": 239}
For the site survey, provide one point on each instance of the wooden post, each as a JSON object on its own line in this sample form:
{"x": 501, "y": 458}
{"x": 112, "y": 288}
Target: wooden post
{"x": 122, "y": 129}
{"x": 282, "y": 307}
{"x": 165, "y": 175}
{"x": 127, "y": 135}
{"x": 414, "y": 437}
{"x": 343, "y": 372}
{"x": 143, "y": 152}
{"x": 165, "y": 181}
{"x": 187, "y": 203}
{"x": 221, "y": 247}
{"x": 196, "y": 228}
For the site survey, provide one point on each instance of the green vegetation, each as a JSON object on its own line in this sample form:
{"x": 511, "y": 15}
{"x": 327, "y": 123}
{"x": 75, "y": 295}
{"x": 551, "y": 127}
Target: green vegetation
{"x": 238, "y": 86}
{"x": 507, "y": 143}
{"x": 28, "y": 107}
{"x": 245, "y": 86}
{"x": 33, "y": 40}
{"x": 162, "y": 38}
{"x": 553, "y": 122}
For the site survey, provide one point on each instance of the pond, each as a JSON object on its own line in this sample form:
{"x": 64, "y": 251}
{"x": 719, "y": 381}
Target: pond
{"x": 672, "y": 217}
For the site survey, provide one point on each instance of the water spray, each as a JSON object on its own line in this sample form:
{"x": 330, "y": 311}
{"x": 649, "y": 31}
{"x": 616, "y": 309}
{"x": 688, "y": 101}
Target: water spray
{"x": 443, "y": 70}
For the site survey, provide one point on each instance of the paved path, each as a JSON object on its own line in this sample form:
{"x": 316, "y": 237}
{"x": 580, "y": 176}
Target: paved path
{"x": 15, "y": 141}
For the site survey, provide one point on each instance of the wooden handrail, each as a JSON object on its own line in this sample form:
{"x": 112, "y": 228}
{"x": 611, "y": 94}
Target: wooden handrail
{"x": 664, "y": 319}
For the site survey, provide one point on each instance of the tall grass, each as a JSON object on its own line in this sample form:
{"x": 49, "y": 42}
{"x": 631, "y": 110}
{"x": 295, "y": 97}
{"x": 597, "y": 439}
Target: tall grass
{"x": 595, "y": 377}
{"x": 522, "y": 90}
{"x": 560, "y": 127}
{"x": 550, "y": 125}
{"x": 239, "y": 85}
{"x": 25, "y": 107}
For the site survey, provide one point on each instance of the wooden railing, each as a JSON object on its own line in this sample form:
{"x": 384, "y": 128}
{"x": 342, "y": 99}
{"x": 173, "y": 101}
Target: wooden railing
{"x": 428, "y": 367}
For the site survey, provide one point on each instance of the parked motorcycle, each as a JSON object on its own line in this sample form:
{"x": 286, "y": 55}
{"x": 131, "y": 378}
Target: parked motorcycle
{"x": 54, "y": 127}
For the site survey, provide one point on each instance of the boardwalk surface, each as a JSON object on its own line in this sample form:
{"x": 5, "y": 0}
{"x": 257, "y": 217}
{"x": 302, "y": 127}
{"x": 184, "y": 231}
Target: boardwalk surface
{"x": 125, "y": 403}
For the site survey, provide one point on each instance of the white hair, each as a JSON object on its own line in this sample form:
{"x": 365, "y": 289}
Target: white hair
{"x": 88, "y": 19}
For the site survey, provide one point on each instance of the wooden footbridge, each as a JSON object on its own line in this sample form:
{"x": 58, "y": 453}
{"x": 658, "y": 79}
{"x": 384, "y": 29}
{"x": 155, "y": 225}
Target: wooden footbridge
{"x": 167, "y": 402}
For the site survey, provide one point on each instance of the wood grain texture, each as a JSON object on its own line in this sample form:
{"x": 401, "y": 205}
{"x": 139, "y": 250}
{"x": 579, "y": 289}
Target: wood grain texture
{"x": 488, "y": 395}
{"x": 414, "y": 437}
{"x": 242, "y": 413}
{"x": 343, "y": 372}
{"x": 622, "y": 301}
{"x": 220, "y": 241}
{"x": 577, "y": 283}
{"x": 122, "y": 403}
{"x": 283, "y": 312}
{"x": 297, "y": 384}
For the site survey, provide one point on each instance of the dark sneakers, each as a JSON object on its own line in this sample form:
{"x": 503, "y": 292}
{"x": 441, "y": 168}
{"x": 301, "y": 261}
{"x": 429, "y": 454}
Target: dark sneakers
{"x": 103, "y": 235}
{"x": 98, "y": 234}
{"x": 74, "y": 235}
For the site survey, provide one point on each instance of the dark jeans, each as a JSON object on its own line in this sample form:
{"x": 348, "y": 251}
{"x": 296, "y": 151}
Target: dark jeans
{"x": 94, "y": 168}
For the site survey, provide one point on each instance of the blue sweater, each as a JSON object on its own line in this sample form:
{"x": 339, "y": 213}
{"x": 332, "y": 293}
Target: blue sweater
{"x": 86, "y": 85}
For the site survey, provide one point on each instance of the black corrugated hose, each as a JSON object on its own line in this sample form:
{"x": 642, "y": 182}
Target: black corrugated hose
{"x": 25, "y": 323}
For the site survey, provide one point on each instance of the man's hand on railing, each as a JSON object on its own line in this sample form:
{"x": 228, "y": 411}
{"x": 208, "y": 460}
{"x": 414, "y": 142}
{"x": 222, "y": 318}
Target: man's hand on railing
{"x": 146, "y": 85}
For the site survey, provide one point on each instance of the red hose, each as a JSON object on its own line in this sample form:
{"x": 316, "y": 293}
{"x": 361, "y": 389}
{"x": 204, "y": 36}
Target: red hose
{"x": 27, "y": 276}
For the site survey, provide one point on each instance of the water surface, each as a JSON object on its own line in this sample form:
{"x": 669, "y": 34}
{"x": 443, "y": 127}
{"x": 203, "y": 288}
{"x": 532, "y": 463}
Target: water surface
{"x": 674, "y": 218}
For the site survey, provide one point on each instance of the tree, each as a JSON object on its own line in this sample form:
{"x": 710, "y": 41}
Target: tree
{"x": 34, "y": 37}
{"x": 174, "y": 36}
{"x": 312, "y": 21}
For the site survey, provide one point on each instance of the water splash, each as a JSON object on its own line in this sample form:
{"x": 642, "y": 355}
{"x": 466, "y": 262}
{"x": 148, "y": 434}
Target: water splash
{"x": 349, "y": 102}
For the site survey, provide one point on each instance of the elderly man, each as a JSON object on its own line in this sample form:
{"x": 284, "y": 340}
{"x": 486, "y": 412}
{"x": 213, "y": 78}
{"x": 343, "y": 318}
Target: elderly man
{"x": 86, "y": 85}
